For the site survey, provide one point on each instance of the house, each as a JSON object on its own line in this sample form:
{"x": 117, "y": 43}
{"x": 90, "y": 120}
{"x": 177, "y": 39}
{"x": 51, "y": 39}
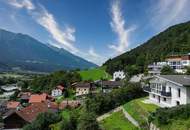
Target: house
{"x": 83, "y": 89}
{"x": 169, "y": 90}
{"x": 108, "y": 86}
{"x": 155, "y": 68}
{"x": 179, "y": 62}
{"x": 118, "y": 75}
{"x": 38, "y": 98}
{"x": 13, "y": 105}
{"x": 8, "y": 90}
{"x": 18, "y": 118}
{"x": 58, "y": 91}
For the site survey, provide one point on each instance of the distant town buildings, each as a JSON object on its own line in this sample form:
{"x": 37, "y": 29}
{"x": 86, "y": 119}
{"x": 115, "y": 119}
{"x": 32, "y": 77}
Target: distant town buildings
{"x": 118, "y": 75}
{"x": 169, "y": 90}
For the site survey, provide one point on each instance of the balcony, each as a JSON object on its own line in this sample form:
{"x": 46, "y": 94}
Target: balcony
{"x": 147, "y": 89}
{"x": 166, "y": 94}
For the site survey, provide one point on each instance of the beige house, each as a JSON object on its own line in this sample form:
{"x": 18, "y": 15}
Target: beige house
{"x": 83, "y": 88}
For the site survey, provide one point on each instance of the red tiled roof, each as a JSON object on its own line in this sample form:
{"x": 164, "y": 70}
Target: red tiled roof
{"x": 36, "y": 98}
{"x": 31, "y": 112}
{"x": 12, "y": 105}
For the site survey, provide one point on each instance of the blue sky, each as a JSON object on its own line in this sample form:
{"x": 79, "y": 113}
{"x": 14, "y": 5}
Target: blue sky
{"x": 93, "y": 29}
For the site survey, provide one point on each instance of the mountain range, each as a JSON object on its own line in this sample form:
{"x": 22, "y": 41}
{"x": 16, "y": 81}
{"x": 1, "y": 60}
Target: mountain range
{"x": 22, "y": 52}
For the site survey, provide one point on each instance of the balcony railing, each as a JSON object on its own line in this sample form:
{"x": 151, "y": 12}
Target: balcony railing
{"x": 166, "y": 94}
{"x": 162, "y": 93}
{"x": 147, "y": 89}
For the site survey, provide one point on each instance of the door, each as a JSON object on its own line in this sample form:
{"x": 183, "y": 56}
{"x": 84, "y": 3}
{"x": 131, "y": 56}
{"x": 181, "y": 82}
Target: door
{"x": 159, "y": 99}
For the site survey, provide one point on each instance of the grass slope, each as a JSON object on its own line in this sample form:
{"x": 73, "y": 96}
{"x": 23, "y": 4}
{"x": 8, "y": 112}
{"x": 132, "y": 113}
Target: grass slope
{"x": 117, "y": 121}
{"x": 94, "y": 74}
{"x": 139, "y": 110}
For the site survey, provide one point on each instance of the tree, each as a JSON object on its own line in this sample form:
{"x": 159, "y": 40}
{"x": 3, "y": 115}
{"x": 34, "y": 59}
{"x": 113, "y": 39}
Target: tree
{"x": 132, "y": 70}
{"x": 167, "y": 70}
{"x": 87, "y": 121}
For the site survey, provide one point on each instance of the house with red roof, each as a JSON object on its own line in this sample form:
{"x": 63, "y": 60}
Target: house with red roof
{"x": 18, "y": 118}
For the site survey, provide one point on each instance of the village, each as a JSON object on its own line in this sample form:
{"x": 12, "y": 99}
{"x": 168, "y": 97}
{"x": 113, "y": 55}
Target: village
{"x": 163, "y": 90}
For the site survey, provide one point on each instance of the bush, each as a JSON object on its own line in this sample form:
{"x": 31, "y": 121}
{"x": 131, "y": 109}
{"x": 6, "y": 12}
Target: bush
{"x": 164, "y": 116}
{"x": 167, "y": 70}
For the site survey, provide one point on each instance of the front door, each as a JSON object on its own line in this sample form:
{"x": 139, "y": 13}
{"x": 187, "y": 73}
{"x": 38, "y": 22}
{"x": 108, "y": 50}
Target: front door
{"x": 158, "y": 99}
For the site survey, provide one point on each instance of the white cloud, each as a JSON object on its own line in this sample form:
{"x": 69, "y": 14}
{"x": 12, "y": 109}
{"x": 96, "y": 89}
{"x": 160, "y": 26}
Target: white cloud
{"x": 118, "y": 26}
{"x": 65, "y": 38}
{"x": 22, "y": 4}
{"x": 168, "y": 12}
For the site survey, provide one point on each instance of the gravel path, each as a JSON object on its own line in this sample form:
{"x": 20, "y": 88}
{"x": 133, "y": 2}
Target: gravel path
{"x": 127, "y": 115}
{"x": 130, "y": 118}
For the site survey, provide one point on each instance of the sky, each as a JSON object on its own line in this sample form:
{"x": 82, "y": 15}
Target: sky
{"x": 95, "y": 30}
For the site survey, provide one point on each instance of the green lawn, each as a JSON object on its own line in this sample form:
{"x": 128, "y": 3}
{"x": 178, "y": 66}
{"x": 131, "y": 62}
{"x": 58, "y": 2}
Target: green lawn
{"x": 94, "y": 74}
{"x": 117, "y": 121}
{"x": 139, "y": 110}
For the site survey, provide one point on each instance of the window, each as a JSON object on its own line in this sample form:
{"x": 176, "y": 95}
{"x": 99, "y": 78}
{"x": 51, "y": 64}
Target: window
{"x": 179, "y": 92}
{"x": 164, "y": 99}
{"x": 170, "y": 89}
{"x": 153, "y": 96}
{"x": 177, "y": 103}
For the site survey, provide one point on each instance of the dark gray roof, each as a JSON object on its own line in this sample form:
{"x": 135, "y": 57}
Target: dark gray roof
{"x": 180, "y": 79}
{"x": 112, "y": 83}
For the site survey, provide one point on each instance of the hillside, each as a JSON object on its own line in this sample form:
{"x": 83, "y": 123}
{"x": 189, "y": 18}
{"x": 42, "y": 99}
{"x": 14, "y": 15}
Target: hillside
{"x": 19, "y": 51}
{"x": 173, "y": 40}
{"x": 95, "y": 74}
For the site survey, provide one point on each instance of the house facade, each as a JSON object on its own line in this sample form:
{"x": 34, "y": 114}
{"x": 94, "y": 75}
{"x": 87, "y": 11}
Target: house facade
{"x": 179, "y": 62}
{"x": 169, "y": 90}
{"x": 118, "y": 75}
{"x": 83, "y": 89}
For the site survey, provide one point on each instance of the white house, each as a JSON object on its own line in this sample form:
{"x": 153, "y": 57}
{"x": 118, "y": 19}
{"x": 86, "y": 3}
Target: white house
{"x": 179, "y": 62}
{"x": 169, "y": 90}
{"x": 155, "y": 68}
{"x": 118, "y": 75}
{"x": 58, "y": 91}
